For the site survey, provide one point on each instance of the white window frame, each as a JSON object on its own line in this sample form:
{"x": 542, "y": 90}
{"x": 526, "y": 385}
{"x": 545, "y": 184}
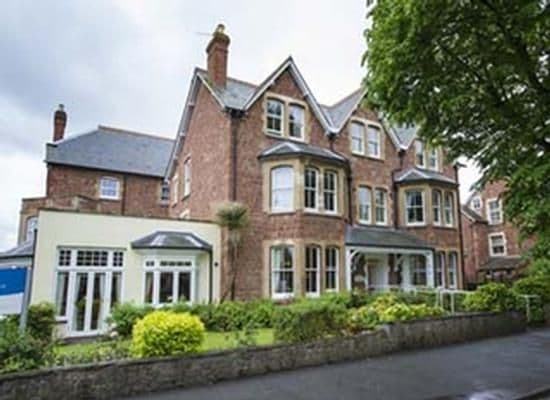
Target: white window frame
{"x": 280, "y": 117}
{"x": 477, "y": 199}
{"x": 433, "y": 158}
{"x": 419, "y": 150}
{"x": 332, "y": 269}
{"x": 71, "y": 268}
{"x": 187, "y": 177}
{"x": 440, "y": 261}
{"x": 491, "y": 247}
{"x": 498, "y": 209}
{"x": 449, "y": 209}
{"x": 152, "y": 264}
{"x": 423, "y": 206}
{"x": 277, "y": 270}
{"x": 175, "y": 188}
{"x": 332, "y": 192}
{"x": 316, "y": 270}
{"x": 290, "y": 187}
{"x": 367, "y": 205}
{"x": 362, "y": 138}
{"x": 384, "y": 206}
{"x": 452, "y": 270}
{"x": 378, "y": 142}
{"x": 312, "y": 189}
{"x": 437, "y": 207}
{"x": 164, "y": 192}
{"x": 105, "y": 180}
{"x": 292, "y": 106}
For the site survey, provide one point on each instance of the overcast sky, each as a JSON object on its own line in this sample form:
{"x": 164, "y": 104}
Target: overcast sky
{"x": 128, "y": 64}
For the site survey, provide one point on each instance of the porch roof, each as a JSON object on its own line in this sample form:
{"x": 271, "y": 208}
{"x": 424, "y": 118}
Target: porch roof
{"x": 383, "y": 237}
{"x": 24, "y": 250}
{"x": 171, "y": 240}
{"x": 502, "y": 263}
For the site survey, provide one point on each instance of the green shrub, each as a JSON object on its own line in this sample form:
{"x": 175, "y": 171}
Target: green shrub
{"x": 165, "y": 333}
{"x": 495, "y": 297}
{"x": 19, "y": 352}
{"x": 362, "y": 319}
{"x": 408, "y": 312}
{"x": 41, "y": 321}
{"x": 92, "y": 353}
{"x": 124, "y": 316}
{"x": 259, "y": 314}
{"x": 540, "y": 267}
{"x": 352, "y": 299}
{"x": 308, "y": 320}
{"x": 537, "y": 285}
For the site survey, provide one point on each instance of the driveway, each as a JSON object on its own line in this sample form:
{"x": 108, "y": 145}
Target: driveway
{"x": 498, "y": 368}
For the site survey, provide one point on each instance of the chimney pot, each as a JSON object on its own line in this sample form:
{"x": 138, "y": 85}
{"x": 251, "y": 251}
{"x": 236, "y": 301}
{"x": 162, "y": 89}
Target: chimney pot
{"x": 217, "y": 51}
{"x": 59, "y": 123}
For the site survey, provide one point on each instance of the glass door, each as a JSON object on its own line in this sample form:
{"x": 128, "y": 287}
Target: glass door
{"x": 89, "y": 302}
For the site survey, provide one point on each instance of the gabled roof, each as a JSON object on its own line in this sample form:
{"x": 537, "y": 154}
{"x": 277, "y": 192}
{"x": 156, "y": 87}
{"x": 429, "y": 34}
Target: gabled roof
{"x": 383, "y": 237}
{"x": 113, "y": 150}
{"x": 171, "y": 240}
{"x": 24, "y": 250}
{"x": 415, "y": 174}
{"x": 405, "y": 134}
{"x": 471, "y": 214}
{"x": 295, "y": 148}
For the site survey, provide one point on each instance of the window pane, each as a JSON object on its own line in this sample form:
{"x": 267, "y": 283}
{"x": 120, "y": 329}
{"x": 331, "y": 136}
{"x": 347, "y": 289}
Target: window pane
{"x": 419, "y": 152}
{"x": 64, "y": 258}
{"x": 118, "y": 259}
{"x": 449, "y": 209}
{"x": 282, "y": 266}
{"x": 373, "y": 141}
{"x": 380, "y": 201}
{"x": 312, "y": 269}
{"x": 91, "y": 258}
{"x": 149, "y": 278}
{"x": 184, "y": 286}
{"x": 165, "y": 192}
{"x": 418, "y": 265}
{"x": 166, "y": 287}
{"x": 439, "y": 265}
{"x": 329, "y": 193}
{"x": 116, "y": 287}
{"x": 274, "y": 116}
{"x": 331, "y": 268}
{"x": 414, "y": 206}
{"x": 98, "y": 296}
{"x": 109, "y": 188}
{"x": 282, "y": 189}
{"x": 80, "y": 297}
{"x": 310, "y": 188}
{"x": 436, "y": 204}
{"x": 364, "y": 199}
{"x": 61, "y": 293}
{"x": 296, "y": 121}
{"x": 357, "y": 137}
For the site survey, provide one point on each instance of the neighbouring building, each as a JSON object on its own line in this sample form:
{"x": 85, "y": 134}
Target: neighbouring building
{"x": 338, "y": 200}
{"x": 492, "y": 246}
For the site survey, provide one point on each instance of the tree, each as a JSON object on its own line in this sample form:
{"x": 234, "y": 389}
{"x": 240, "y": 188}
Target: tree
{"x": 233, "y": 217}
{"x": 474, "y": 76}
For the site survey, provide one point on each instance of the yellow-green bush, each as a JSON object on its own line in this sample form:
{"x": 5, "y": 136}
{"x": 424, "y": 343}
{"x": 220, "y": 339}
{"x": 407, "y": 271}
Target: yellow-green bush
{"x": 164, "y": 333}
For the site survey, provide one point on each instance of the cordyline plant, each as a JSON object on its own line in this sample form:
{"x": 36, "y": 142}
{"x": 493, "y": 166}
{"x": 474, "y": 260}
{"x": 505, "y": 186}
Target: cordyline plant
{"x": 474, "y": 75}
{"x": 233, "y": 217}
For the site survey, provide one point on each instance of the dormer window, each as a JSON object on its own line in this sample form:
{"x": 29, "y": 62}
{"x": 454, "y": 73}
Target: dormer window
{"x": 296, "y": 121}
{"x": 433, "y": 159}
{"x": 109, "y": 188}
{"x": 426, "y": 157}
{"x": 275, "y": 111}
{"x": 365, "y": 139}
{"x": 357, "y": 138}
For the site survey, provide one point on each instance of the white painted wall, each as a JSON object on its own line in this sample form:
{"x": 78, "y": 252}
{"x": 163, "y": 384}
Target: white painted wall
{"x": 73, "y": 229}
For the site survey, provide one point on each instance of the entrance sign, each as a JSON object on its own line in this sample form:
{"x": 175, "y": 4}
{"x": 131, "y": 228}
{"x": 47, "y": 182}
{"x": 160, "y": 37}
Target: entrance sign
{"x": 12, "y": 289}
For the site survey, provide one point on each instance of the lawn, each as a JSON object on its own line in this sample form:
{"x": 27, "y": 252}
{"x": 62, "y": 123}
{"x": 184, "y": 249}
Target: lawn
{"x": 212, "y": 341}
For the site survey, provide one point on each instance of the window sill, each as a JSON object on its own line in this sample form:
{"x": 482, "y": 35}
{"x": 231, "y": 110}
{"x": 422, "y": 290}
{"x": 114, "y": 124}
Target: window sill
{"x": 447, "y": 227}
{"x": 416, "y": 225}
{"x": 277, "y": 213}
{"x": 323, "y": 214}
{"x": 113, "y": 199}
{"x": 285, "y": 137}
{"x": 366, "y": 156}
{"x": 283, "y": 296}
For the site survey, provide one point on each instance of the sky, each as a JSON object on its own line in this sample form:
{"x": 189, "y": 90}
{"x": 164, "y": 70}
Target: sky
{"x": 128, "y": 64}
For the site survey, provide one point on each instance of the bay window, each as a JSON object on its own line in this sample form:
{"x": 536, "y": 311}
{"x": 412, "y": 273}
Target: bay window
{"x": 310, "y": 188}
{"x": 331, "y": 268}
{"x": 419, "y": 272}
{"x": 282, "y": 272}
{"x": 282, "y": 189}
{"x": 169, "y": 280}
{"x": 380, "y": 210}
{"x": 439, "y": 268}
{"x": 414, "y": 204}
{"x": 364, "y": 204}
{"x": 313, "y": 261}
{"x": 296, "y": 121}
{"x": 330, "y": 183}
{"x": 275, "y": 113}
{"x": 436, "y": 207}
{"x": 373, "y": 141}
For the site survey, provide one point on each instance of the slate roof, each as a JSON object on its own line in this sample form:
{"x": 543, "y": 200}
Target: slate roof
{"x": 114, "y": 150}
{"x": 339, "y": 112}
{"x": 405, "y": 134}
{"x": 502, "y": 263}
{"x": 294, "y": 148}
{"x": 235, "y": 93}
{"x": 23, "y": 250}
{"x": 171, "y": 240}
{"x": 416, "y": 174}
{"x": 383, "y": 237}
{"x": 472, "y": 214}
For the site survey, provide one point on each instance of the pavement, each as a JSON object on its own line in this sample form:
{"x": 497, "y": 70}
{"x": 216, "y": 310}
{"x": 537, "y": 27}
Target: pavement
{"x": 491, "y": 369}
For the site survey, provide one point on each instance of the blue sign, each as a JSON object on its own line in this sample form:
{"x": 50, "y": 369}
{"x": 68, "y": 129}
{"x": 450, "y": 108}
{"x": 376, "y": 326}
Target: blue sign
{"x": 12, "y": 289}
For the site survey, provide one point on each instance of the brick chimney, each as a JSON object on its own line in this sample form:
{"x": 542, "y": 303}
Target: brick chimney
{"x": 216, "y": 52}
{"x": 59, "y": 123}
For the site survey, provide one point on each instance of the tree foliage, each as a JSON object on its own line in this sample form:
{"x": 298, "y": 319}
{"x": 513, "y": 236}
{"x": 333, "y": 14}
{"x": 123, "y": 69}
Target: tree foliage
{"x": 474, "y": 75}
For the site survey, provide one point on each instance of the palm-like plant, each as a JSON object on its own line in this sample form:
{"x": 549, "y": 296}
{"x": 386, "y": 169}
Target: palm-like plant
{"x": 233, "y": 217}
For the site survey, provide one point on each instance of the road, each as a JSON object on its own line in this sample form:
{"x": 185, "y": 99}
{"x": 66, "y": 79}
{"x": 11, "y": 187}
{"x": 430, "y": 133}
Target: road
{"x": 500, "y": 368}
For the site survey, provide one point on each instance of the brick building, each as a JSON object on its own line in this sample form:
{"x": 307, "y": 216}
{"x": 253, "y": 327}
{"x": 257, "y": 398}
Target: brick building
{"x": 338, "y": 200}
{"x": 492, "y": 246}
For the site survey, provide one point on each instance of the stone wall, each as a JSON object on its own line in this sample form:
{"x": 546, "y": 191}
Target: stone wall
{"x": 122, "y": 378}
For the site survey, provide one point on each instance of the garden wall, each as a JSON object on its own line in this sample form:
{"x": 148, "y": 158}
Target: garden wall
{"x": 122, "y": 378}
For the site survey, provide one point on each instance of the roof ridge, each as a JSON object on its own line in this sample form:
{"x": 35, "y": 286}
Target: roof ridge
{"x": 132, "y": 132}
{"x": 345, "y": 98}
